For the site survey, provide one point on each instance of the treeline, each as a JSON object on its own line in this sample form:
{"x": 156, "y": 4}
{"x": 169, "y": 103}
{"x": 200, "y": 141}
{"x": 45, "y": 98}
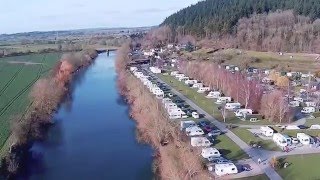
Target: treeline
{"x": 46, "y": 95}
{"x": 221, "y": 16}
{"x": 248, "y": 92}
{"x": 176, "y": 159}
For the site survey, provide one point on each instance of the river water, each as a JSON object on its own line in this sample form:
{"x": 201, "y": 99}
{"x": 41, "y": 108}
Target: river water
{"x": 93, "y": 137}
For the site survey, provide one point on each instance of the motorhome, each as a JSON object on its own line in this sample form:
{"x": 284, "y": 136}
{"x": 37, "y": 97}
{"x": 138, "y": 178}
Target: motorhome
{"x": 280, "y": 140}
{"x": 232, "y": 106}
{"x": 213, "y": 94}
{"x": 308, "y": 110}
{"x": 304, "y": 138}
{"x": 266, "y": 131}
{"x": 194, "y": 131}
{"x": 210, "y": 152}
{"x": 197, "y": 85}
{"x": 221, "y": 100}
{"x": 200, "y": 141}
{"x": 203, "y": 89}
{"x": 310, "y": 104}
{"x": 243, "y": 112}
{"x": 225, "y": 169}
{"x": 185, "y": 124}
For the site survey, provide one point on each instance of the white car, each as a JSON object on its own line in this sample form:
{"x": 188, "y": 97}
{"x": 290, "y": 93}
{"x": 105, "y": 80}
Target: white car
{"x": 294, "y": 140}
{"x": 215, "y": 132}
{"x": 195, "y": 115}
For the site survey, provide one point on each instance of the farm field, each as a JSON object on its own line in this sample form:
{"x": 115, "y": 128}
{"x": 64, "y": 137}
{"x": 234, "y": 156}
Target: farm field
{"x": 299, "y": 62}
{"x": 17, "y": 75}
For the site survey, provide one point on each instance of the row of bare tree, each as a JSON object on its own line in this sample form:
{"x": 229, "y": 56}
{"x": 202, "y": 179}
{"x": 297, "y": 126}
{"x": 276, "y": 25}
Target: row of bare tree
{"x": 248, "y": 92}
{"x": 46, "y": 95}
{"x": 174, "y": 160}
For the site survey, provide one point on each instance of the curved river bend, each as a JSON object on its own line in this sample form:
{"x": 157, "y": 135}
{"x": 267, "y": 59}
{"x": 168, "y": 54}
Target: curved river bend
{"x": 93, "y": 137}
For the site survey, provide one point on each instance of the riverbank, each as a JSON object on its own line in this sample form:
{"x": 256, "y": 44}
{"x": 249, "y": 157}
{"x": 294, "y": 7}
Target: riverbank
{"x": 174, "y": 157}
{"x": 46, "y": 95}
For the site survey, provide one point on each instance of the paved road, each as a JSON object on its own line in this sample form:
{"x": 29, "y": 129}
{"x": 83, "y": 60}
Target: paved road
{"x": 253, "y": 153}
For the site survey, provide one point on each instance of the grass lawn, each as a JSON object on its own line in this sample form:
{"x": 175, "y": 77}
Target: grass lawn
{"x": 16, "y": 81}
{"x": 310, "y": 122}
{"x": 247, "y": 136}
{"x": 206, "y": 104}
{"x": 259, "y": 177}
{"x": 293, "y": 133}
{"x": 301, "y": 167}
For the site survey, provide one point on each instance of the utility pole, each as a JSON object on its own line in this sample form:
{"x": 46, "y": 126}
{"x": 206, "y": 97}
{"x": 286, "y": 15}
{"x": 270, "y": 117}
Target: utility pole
{"x": 309, "y": 74}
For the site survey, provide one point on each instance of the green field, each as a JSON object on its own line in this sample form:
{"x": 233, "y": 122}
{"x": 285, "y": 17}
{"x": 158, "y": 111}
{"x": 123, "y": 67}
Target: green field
{"x": 301, "y": 167}
{"x": 17, "y": 75}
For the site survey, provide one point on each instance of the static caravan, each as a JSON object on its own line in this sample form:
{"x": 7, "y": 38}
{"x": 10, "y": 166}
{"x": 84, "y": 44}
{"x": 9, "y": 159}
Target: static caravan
{"x": 170, "y": 105}
{"x": 315, "y": 126}
{"x": 173, "y": 73}
{"x": 210, "y": 152}
{"x": 280, "y": 140}
{"x": 185, "y": 124}
{"x": 311, "y": 104}
{"x": 203, "y": 89}
{"x": 183, "y": 78}
{"x": 190, "y": 82}
{"x": 166, "y": 100}
{"x": 213, "y": 94}
{"x": 308, "y": 110}
{"x": 225, "y": 169}
{"x": 232, "y": 106}
{"x": 197, "y": 85}
{"x": 294, "y": 103}
{"x": 200, "y": 141}
{"x": 194, "y": 131}
{"x": 174, "y": 115}
{"x": 267, "y": 131}
{"x": 243, "y": 112}
{"x": 221, "y": 100}
{"x": 304, "y": 138}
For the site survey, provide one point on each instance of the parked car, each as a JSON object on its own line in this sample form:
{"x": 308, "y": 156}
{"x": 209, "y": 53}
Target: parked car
{"x": 203, "y": 123}
{"x": 195, "y": 115}
{"x": 215, "y": 132}
{"x": 294, "y": 140}
{"x": 170, "y": 95}
{"x": 218, "y": 160}
{"x": 207, "y": 128}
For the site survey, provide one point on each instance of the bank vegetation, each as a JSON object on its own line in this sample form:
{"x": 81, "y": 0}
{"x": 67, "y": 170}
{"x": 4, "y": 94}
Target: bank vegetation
{"x": 174, "y": 157}
{"x": 46, "y": 95}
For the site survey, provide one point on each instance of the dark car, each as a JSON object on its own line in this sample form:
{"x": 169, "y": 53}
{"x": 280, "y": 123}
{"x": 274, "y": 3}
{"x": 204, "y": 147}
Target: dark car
{"x": 207, "y": 128}
{"x": 204, "y": 123}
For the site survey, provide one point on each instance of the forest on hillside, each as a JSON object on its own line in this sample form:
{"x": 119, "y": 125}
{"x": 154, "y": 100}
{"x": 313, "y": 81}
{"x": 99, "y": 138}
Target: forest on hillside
{"x": 221, "y": 16}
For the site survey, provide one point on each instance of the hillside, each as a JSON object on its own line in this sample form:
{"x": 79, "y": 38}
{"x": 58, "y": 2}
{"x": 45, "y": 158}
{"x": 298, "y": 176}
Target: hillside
{"x": 221, "y": 16}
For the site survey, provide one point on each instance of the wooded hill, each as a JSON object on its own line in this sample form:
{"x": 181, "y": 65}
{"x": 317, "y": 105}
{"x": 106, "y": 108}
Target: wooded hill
{"x": 221, "y": 16}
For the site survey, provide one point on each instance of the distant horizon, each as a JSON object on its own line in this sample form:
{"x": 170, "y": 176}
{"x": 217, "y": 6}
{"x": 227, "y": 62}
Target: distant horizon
{"x": 21, "y": 16}
{"x": 58, "y": 30}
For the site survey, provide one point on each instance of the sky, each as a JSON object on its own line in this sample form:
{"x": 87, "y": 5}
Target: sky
{"x": 45, "y": 15}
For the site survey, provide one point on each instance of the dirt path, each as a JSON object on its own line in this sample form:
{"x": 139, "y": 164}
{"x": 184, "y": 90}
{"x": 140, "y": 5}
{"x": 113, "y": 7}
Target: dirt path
{"x": 24, "y": 62}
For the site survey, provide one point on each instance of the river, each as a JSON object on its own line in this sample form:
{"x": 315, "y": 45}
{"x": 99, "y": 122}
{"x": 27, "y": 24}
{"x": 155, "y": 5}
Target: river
{"x": 93, "y": 137}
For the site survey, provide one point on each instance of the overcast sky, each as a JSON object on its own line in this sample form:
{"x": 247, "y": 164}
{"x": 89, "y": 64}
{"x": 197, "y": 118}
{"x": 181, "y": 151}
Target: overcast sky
{"x": 44, "y": 15}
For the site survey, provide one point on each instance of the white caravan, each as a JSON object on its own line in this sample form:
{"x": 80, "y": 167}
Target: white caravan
{"x": 304, "y": 138}
{"x": 308, "y": 110}
{"x": 155, "y": 70}
{"x": 210, "y": 152}
{"x": 185, "y": 124}
{"x": 294, "y": 103}
{"x": 311, "y": 104}
{"x": 221, "y": 100}
{"x": 225, "y": 169}
{"x": 298, "y": 99}
{"x": 170, "y": 105}
{"x": 203, "y": 89}
{"x": 190, "y": 81}
{"x": 266, "y": 131}
{"x": 280, "y": 140}
{"x": 292, "y": 127}
{"x": 315, "y": 126}
{"x": 185, "y": 78}
{"x": 194, "y": 131}
{"x": 213, "y": 94}
{"x": 166, "y": 100}
{"x": 197, "y": 85}
{"x": 200, "y": 141}
{"x": 232, "y": 106}
{"x": 173, "y": 73}
{"x": 179, "y": 76}
{"x": 174, "y": 115}
{"x": 243, "y": 112}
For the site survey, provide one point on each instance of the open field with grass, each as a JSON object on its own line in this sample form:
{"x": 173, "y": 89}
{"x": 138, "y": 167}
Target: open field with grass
{"x": 206, "y": 104}
{"x": 300, "y": 62}
{"x": 301, "y": 167}
{"x": 16, "y": 80}
{"x": 259, "y": 177}
{"x": 247, "y": 136}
